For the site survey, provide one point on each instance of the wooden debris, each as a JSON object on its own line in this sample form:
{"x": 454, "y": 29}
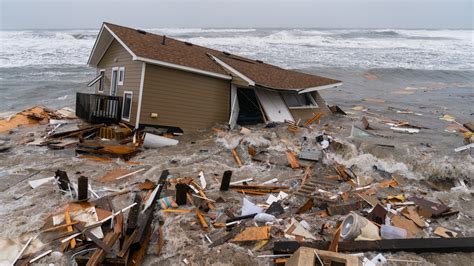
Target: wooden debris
{"x": 306, "y": 207}
{"x": 409, "y": 225}
{"x": 416, "y": 245}
{"x": 443, "y": 232}
{"x": 177, "y": 210}
{"x": 253, "y": 234}
{"x": 335, "y": 240}
{"x": 236, "y": 157}
{"x": 411, "y": 213}
{"x": 373, "y": 201}
{"x": 309, "y": 257}
{"x": 313, "y": 119}
{"x": 98, "y": 256}
{"x": 69, "y": 228}
{"x": 292, "y": 159}
{"x": 428, "y": 208}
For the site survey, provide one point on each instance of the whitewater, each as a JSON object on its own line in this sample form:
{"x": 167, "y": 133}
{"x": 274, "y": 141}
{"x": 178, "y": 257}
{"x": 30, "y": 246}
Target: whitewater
{"x": 49, "y": 66}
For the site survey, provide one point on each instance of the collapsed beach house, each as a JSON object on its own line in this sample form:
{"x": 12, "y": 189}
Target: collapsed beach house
{"x": 144, "y": 79}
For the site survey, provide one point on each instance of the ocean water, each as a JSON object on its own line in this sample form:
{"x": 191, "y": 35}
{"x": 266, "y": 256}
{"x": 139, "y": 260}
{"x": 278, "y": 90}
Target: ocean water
{"x": 49, "y": 66}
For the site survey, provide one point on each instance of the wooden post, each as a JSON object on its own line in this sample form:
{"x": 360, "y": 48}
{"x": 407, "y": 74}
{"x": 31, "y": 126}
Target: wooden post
{"x": 226, "y": 180}
{"x": 63, "y": 180}
{"x": 181, "y": 190}
{"x": 83, "y": 187}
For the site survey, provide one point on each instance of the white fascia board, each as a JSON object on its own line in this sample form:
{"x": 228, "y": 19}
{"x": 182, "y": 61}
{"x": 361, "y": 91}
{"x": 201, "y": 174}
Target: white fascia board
{"x": 140, "y": 95}
{"x": 95, "y": 45}
{"x": 233, "y": 70}
{"x": 330, "y": 86}
{"x": 120, "y": 41}
{"x": 180, "y": 67}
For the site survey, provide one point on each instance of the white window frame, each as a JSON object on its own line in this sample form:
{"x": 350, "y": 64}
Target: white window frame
{"x": 120, "y": 82}
{"x": 123, "y": 105}
{"x": 310, "y": 97}
{"x": 112, "y": 81}
{"x": 102, "y": 81}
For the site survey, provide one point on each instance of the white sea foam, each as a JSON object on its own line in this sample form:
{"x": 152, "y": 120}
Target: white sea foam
{"x": 293, "y": 48}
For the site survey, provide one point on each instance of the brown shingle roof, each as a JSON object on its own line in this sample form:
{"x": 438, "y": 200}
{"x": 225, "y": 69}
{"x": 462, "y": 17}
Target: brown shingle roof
{"x": 177, "y": 52}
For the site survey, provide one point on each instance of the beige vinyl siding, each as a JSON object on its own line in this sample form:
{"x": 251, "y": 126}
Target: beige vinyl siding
{"x": 117, "y": 56}
{"x": 182, "y": 99}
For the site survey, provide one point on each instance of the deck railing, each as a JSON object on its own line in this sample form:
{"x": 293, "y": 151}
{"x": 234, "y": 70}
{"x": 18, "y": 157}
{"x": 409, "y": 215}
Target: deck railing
{"x": 99, "y": 108}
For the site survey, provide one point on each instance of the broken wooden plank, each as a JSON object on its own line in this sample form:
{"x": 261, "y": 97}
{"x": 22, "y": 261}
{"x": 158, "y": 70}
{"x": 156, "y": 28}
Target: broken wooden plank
{"x": 429, "y": 208}
{"x": 306, "y": 207}
{"x": 253, "y": 234}
{"x": 313, "y": 119}
{"x": 236, "y": 157}
{"x": 292, "y": 159}
{"x": 94, "y": 239}
{"x": 443, "y": 232}
{"x": 99, "y": 254}
{"x": 69, "y": 228}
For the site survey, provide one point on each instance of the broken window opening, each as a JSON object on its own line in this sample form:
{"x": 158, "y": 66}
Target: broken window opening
{"x": 250, "y": 113}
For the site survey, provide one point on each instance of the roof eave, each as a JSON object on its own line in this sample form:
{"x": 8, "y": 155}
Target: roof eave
{"x": 318, "y": 88}
{"x": 181, "y": 67}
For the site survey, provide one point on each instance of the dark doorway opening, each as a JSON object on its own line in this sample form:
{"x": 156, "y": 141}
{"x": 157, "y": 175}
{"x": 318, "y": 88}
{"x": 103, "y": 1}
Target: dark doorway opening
{"x": 249, "y": 113}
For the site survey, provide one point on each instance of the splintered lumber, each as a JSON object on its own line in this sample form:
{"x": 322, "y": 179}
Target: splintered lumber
{"x": 201, "y": 192}
{"x": 251, "y": 192}
{"x": 261, "y": 188}
{"x": 69, "y": 228}
{"x": 198, "y": 213}
{"x": 94, "y": 239}
{"x": 129, "y": 239}
{"x": 146, "y": 217}
{"x": 133, "y": 214}
{"x": 236, "y": 157}
{"x": 416, "y": 245}
{"x": 176, "y": 210}
{"x": 335, "y": 240}
{"x": 292, "y": 159}
{"x": 99, "y": 254}
{"x": 313, "y": 119}
{"x": 253, "y": 234}
{"x": 306, "y": 207}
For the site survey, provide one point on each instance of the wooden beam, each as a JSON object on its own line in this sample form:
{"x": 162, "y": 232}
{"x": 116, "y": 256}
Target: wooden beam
{"x": 416, "y": 245}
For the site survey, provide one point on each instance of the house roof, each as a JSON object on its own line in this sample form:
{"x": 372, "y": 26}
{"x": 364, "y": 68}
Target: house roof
{"x": 148, "y": 47}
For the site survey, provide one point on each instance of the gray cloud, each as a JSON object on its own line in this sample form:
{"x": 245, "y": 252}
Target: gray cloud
{"x": 28, "y": 14}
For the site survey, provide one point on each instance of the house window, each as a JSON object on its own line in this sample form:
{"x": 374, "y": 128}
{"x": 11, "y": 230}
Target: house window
{"x": 298, "y": 100}
{"x": 121, "y": 75}
{"x": 101, "y": 81}
{"x": 114, "y": 81}
{"x": 127, "y": 105}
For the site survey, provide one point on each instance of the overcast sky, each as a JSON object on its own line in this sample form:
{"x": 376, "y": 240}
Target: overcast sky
{"x": 54, "y": 14}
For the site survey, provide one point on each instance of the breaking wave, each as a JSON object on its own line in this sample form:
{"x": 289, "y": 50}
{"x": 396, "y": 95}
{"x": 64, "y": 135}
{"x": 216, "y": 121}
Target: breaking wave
{"x": 291, "y": 48}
